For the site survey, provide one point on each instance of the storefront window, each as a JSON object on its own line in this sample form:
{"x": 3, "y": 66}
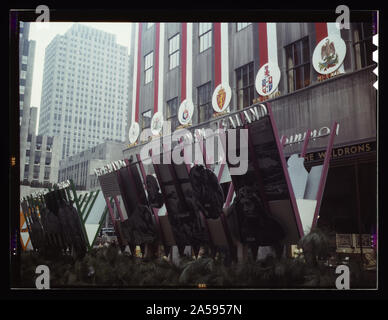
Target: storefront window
{"x": 173, "y": 52}
{"x": 349, "y": 200}
{"x": 242, "y": 25}
{"x": 205, "y": 36}
{"x": 146, "y": 119}
{"x": 172, "y": 109}
{"x": 205, "y": 109}
{"x": 362, "y": 45}
{"x": 245, "y": 85}
{"x": 148, "y": 65}
{"x": 298, "y": 64}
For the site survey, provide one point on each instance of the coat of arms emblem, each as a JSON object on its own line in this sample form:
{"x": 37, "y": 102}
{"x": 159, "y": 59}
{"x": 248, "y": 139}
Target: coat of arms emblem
{"x": 221, "y": 98}
{"x": 328, "y": 55}
{"x": 266, "y": 83}
{"x": 185, "y": 114}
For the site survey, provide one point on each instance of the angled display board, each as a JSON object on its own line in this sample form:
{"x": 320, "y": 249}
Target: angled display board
{"x": 139, "y": 225}
{"x": 264, "y": 211}
{"x": 95, "y": 217}
{"x": 136, "y": 225}
{"x": 185, "y": 220}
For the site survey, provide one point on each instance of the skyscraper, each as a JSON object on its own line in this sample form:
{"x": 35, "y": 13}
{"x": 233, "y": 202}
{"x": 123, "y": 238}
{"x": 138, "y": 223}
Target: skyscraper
{"x": 38, "y": 154}
{"x": 26, "y": 67}
{"x": 85, "y": 89}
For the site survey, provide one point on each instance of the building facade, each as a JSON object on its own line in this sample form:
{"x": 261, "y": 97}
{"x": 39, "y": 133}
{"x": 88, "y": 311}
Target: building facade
{"x": 174, "y": 62}
{"x": 85, "y": 89}
{"x": 80, "y": 167}
{"x": 41, "y": 156}
{"x": 38, "y": 154}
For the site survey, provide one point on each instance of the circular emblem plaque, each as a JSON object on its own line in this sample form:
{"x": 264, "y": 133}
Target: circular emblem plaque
{"x": 329, "y": 54}
{"x": 267, "y": 79}
{"x": 221, "y": 97}
{"x": 134, "y": 131}
{"x": 185, "y": 112}
{"x": 157, "y": 123}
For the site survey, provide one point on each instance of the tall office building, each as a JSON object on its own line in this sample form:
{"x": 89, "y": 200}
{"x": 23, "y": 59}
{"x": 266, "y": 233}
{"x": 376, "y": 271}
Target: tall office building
{"x": 26, "y": 68}
{"x": 85, "y": 89}
{"x": 38, "y": 154}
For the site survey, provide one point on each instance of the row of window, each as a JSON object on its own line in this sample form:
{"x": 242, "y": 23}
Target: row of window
{"x": 298, "y": 68}
{"x": 298, "y": 57}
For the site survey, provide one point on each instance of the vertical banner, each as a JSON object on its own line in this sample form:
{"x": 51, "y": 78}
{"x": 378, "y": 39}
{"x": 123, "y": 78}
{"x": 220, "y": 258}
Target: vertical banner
{"x": 134, "y": 128}
{"x": 222, "y": 92}
{"x": 138, "y": 69}
{"x": 268, "y": 76}
{"x": 161, "y": 67}
{"x": 186, "y": 108}
{"x": 158, "y": 119}
{"x": 156, "y": 81}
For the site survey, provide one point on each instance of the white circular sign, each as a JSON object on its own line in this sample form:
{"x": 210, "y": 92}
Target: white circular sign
{"x": 267, "y": 79}
{"x": 329, "y": 54}
{"x": 134, "y": 131}
{"x": 185, "y": 112}
{"x": 157, "y": 123}
{"x": 221, "y": 97}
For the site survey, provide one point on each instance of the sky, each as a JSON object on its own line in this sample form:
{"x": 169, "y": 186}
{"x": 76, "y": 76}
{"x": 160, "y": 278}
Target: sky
{"x": 43, "y": 33}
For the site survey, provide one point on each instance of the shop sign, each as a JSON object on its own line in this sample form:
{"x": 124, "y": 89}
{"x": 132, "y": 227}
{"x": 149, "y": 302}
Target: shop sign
{"x": 329, "y": 54}
{"x": 185, "y": 112}
{"x": 134, "y": 131}
{"x": 267, "y": 79}
{"x": 110, "y": 167}
{"x": 342, "y": 151}
{"x": 299, "y": 137}
{"x": 221, "y": 97}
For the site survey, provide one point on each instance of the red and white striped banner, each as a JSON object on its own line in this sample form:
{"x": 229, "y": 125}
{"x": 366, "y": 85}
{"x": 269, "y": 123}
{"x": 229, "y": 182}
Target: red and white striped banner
{"x": 186, "y": 108}
{"x": 268, "y": 76}
{"x": 137, "y": 72}
{"x": 222, "y": 92}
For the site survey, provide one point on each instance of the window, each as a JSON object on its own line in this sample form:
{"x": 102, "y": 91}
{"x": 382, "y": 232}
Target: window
{"x": 47, "y": 173}
{"x": 242, "y": 25}
{"x": 173, "y": 51}
{"x": 362, "y": 45}
{"x": 149, "y": 61}
{"x": 298, "y": 64}
{"x": 146, "y": 119}
{"x": 245, "y": 85}
{"x": 205, "y": 36}
{"x": 172, "y": 110}
{"x": 205, "y": 109}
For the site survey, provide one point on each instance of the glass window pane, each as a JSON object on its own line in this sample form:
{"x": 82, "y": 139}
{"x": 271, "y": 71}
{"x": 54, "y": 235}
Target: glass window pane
{"x": 307, "y": 75}
{"x": 245, "y": 76}
{"x": 357, "y": 53}
{"x": 251, "y": 95}
{"x": 246, "y": 97}
{"x": 298, "y": 78}
{"x": 306, "y": 50}
{"x": 290, "y": 78}
{"x": 297, "y": 54}
{"x": 251, "y": 79}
